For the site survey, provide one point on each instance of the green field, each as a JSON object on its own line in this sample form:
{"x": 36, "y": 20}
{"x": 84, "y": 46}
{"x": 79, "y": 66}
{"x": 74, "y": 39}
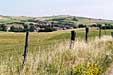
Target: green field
{"x": 49, "y": 53}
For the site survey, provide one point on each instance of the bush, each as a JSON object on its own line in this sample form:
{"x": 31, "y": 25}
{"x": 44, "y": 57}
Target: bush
{"x": 2, "y": 27}
{"x": 75, "y": 19}
{"x": 87, "y": 69}
{"x": 81, "y": 25}
{"x": 93, "y": 25}
{"x": 99, "y": 25}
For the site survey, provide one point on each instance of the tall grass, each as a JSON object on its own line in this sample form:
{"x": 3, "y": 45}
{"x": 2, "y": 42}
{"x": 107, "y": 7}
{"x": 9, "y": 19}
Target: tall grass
{"x": 61, "y": 60}
{"x": 49, "y": 54}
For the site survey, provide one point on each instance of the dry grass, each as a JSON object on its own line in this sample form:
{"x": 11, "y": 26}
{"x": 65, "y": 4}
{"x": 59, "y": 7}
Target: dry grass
{"x": 49, "y": 53}
{"x": 60, "y": 59}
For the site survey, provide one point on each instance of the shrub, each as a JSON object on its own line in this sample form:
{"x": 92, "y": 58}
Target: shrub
{"x": 93, "y": 25}
{"x": 2, "y": 27}
{"x": 99, "y": 25}
{"x": 87, "y": 69}
{"x": 81, "y": 25}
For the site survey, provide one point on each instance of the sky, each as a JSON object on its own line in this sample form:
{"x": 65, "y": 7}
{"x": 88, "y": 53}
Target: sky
{"x": 102, "y": 9}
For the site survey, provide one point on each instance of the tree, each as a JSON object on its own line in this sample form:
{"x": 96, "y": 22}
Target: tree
{"x": 3, "y": 27}
{"x": 18, "y": 28}
{"x": 75, "y": 19}
{"x": 26, "y": 27}
{"x": 32, "y": 28}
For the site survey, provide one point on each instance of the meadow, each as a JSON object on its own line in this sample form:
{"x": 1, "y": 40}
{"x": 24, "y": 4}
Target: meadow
{"x": 49, "y": 53}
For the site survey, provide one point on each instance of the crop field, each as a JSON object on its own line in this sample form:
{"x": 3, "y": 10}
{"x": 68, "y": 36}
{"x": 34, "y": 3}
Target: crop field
{"x": 49, "y": 53}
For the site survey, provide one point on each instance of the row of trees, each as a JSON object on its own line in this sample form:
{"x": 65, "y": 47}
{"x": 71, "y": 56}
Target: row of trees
{"x": 38, "y": 28}
{"x": 103, "y": 26}
{"x": 14, "y": 28}
{"x": 25, "y": 27}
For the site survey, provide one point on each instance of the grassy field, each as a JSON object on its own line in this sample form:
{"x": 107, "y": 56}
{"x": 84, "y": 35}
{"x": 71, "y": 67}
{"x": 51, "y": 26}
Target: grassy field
{"x": 49, "y": 53}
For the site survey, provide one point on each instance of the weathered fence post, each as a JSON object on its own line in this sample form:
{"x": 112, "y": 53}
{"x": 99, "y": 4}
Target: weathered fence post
{"x": 73, "y": 35}
{"x": 105, "y": 29}
{"x": 99, "y": 31}
{"x": 86, "y": 36}
{"x": 112, "y": 34}
{"x": 26, "y": 48}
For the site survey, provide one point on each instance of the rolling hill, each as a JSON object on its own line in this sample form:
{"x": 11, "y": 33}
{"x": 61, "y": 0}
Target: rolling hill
{"x": 61, "y": 19}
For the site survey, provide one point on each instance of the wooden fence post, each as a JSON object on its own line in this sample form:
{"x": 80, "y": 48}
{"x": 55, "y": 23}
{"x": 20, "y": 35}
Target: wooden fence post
{"x": 26, "y": 48}
{"x": 112, "y": 34}
{"x": 105, "y": 29}
{"x": 73, "y": 35}
{"x": 99, "y": 31}
{"x": 86, "y": 36}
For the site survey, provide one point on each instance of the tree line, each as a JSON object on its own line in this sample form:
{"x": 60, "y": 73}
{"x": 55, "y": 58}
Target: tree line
{"x": 21, "y": 27}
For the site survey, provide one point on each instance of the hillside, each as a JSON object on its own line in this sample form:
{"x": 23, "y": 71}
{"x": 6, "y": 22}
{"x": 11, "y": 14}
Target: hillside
{"x": 74, "y": 19}
{"x": 50, "y": 23}
{"x": 61, "y": 19}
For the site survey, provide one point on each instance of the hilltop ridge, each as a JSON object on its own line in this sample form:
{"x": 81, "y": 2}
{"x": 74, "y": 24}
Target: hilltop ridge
{"x": 56, "y": 19}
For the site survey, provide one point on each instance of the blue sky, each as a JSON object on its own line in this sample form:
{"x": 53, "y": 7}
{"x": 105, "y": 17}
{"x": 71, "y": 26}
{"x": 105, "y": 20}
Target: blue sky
{"x": 87, "y": 8}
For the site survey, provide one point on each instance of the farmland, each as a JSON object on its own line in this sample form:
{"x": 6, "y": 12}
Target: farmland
{"x": 49, "y": 53}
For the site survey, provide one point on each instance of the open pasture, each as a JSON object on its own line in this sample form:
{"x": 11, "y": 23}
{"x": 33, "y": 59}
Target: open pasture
{"x": 49, "y": 53}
